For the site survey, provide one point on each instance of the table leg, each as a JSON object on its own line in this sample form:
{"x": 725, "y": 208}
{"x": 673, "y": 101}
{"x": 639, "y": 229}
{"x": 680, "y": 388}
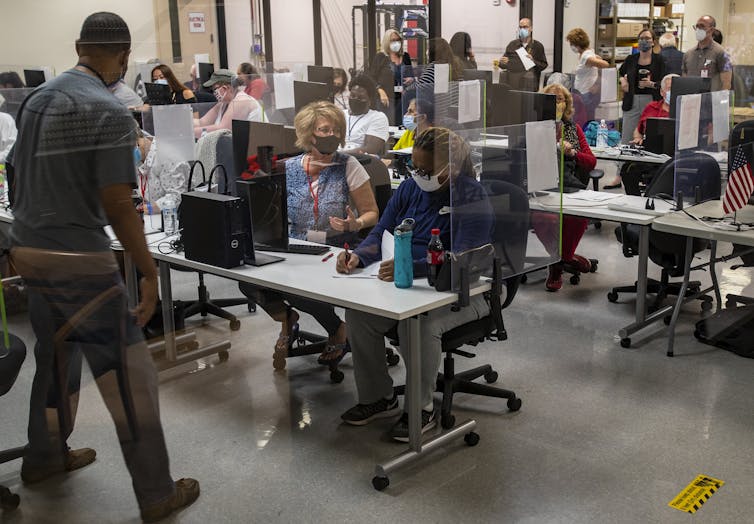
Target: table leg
{"x": 713, "y": 274}
{"x": 681, "y": 293}
{"x": 641, "y": 282}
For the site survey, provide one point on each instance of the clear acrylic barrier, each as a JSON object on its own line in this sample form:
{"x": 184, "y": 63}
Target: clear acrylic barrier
{"x": 458, "y": 105}
{"x": 12, "y": 99}
{"x": 702, "y": 127}
{"x": 490, "y": 202}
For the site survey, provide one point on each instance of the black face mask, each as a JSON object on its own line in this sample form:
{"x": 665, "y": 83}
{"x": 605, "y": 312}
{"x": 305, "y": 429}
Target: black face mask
{"x": 358, "y": 107}
{"x": 327, "y": 145}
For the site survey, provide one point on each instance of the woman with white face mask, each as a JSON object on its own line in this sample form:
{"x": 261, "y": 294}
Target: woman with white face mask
{"x": 640, "y": 76}
{"x": 179, "y": 94}
{"x": 232, "y": 104}
{"x": 586, "y": 80}
{"x": 391, "y": 71}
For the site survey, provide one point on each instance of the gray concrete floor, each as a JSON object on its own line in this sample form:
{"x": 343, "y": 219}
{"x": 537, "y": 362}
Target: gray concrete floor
{"x": 605, "y": 434}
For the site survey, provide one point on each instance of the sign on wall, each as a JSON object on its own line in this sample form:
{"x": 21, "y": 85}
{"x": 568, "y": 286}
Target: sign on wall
{"x": 196, "y": 23}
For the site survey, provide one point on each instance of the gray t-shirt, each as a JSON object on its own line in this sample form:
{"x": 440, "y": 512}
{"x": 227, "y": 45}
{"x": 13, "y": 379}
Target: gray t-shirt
{"x": 707, "y": 61}
{"x": 74, "y": 138}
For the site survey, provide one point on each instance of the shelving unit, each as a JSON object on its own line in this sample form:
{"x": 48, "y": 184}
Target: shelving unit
{"x": 619, "y": 22}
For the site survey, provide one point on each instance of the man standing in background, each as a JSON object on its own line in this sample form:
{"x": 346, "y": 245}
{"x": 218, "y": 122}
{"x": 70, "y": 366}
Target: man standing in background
{"x": 519, "y": 76}
{"x": 708, "y": 59}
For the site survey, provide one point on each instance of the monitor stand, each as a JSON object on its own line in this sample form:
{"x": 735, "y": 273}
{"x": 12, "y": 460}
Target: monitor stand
{"x": 260, "y": 259}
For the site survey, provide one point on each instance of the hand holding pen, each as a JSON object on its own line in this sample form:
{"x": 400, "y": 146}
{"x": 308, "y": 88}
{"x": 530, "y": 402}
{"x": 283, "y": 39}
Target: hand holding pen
{"x": 347, "y": 261}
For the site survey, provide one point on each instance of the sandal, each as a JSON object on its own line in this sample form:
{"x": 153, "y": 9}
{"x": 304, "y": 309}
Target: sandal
{"x": 326, "y": 358}
{"x": 285, "y": 342}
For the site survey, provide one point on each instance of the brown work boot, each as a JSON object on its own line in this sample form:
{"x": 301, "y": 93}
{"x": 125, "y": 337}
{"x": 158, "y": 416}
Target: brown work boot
{"x": 75, "y": 459}
{"x": 186, "y": 492}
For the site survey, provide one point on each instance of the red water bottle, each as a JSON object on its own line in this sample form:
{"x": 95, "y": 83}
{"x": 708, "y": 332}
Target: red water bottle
{"x": 435, "y": 257}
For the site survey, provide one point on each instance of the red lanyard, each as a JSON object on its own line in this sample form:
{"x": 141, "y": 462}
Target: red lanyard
{"x": 314, "y": 196}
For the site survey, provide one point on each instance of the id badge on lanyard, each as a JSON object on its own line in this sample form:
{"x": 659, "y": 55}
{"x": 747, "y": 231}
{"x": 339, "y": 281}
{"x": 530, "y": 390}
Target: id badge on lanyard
{"x": 315, "y": 235}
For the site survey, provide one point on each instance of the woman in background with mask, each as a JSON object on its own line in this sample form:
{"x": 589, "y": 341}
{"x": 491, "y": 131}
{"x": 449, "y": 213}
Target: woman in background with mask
{"x": 179, "y": 93}
{"x": 578, "y": 161}
{"x": 320, "y": 182}
{"x": 367, "y": 130}
{"x": 586, "y": 80}
{"x": 640, "y": 76}
{"x": 340, "y": 86}
{"x": 460, "y": 43}
{"x": 419, "y": 117}
{"x": 386, "y": 69}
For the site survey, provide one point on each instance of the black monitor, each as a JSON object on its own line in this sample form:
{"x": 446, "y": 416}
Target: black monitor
{"x": 307, "y": 92}
{"x": 248, "y": 136}
{"x": 320, "y": 74}
{"x": 687, "y": 85}
{"x": 205, "y": 72}
{"x": 477, "y": 74}
{"x": 266, "y": 197}
{"x": 34, "y": 77}
{"x": 157, "y": 94}
{"x": 507, "y": 107}
{"x": 659, "y": 136}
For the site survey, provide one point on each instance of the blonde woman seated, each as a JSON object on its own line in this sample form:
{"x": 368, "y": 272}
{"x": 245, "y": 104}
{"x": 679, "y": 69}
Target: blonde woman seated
{"x": 320, "y": 183}
{"x": 232, "y": 104}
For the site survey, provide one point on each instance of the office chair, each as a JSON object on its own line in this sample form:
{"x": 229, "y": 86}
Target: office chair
{"x": 511, "y": 205}
{"x": 11, "y": 360}
{"x": 665, "y": 249}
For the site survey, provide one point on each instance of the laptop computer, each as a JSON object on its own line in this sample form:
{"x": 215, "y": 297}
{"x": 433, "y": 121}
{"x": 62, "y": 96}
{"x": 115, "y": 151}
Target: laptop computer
{"x": 267, "y": 201}
{"x": 157, "y": 94}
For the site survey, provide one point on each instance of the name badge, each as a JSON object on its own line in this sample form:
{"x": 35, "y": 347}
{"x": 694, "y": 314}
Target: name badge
{"x": 313, "y": 235}
{"x": 704, "y": 73}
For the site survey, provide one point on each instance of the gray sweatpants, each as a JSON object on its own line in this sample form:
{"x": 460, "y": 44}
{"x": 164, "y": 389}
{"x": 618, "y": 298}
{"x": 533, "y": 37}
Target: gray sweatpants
{"x": 366, "y": 334}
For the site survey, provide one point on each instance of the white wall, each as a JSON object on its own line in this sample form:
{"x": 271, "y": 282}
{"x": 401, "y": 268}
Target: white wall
{"x": 697, "y": 8}
{"x": 238, "y": 31}
{"x": 43, "y": 32}
{"x": 578, "y": 13}
{"x": 292, "y": 32}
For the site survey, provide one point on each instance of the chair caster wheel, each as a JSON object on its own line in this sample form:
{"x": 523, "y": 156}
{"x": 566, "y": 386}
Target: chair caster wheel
{"x": 594, "y": 263}
{"x": 612, "y": 296}
{"x": 524, "y": 278}
{"x": 235, "y": 324}
{"x": 625, "y": 342}
{"x": 575, "y": 279}
{"x": 190, "y": 346}
{"x": 697, "y": 334}
{"x": 514, "y": 404}
{"x": 666, "y": 320}
{"x": 730, "y": 304}
{"x": 336, "y": 376}
{"x": 447, "y": 421}
{"x": 223, "y": 356}
{"x": 380, "y": 483}
{"x": 252, "y": 307}
{"x": 491, "y": 377}
{"x": 393, "y": 358}
{"x": 471, "y": 438}
{"x": 706, "y": 305}
{"x": 8, "y": 500}
{"x": 598, "y": 225}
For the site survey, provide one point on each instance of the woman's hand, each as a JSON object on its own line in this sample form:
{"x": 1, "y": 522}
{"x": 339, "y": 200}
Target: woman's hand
{"x": 346, "y": 265}
{"x": 350, "y": 223}
{"x": 383, "y": 96}
{"x": 386, "y": 270}
{"x": 646, "y": 84}
{"x": 568, "y": 149}
{"x": 503, "y": 60}
{"x": 624, "y": 83}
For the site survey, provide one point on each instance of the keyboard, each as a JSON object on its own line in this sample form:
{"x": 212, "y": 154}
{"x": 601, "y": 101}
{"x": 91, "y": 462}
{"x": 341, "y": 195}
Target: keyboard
{"x": 298, "y": 249}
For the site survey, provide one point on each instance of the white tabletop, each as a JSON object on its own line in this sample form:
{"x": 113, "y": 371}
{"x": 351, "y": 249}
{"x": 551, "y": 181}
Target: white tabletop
{"x": 628, "y": 209}
{"x": 682, "y": 224}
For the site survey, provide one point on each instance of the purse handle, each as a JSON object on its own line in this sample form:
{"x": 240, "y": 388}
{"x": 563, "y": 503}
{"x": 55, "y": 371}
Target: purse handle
{"x": 191, "y": 174}
{"x": 225, "y": 177}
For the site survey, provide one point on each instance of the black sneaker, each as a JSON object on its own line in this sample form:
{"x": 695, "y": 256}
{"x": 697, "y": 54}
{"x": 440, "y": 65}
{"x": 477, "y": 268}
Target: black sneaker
{"x": 362, "y": 414}
{"x": 399, "y": 431}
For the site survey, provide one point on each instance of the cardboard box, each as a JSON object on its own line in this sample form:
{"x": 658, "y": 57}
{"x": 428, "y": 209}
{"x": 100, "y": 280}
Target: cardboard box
{"x": 606, "y": 32}
{"x": 658, "y": 11}
{"x": 622, "y": 52}
{"x": 677, "y": 10}
{"x": 633, "y": 10}
{"x": 628, "y": 30}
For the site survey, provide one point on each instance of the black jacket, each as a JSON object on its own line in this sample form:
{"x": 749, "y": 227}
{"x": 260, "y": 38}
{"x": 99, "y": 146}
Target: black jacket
{"x": 630, "y": 68}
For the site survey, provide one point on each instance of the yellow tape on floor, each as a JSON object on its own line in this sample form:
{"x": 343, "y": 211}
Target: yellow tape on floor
{"x": 695, "y": 494}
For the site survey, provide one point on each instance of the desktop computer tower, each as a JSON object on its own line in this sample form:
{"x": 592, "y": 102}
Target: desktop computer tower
{"x": 212, "y": 228}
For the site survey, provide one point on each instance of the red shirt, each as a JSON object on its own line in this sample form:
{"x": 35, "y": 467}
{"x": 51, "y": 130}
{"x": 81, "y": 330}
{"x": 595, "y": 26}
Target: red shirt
{"x": 652, "y": 110}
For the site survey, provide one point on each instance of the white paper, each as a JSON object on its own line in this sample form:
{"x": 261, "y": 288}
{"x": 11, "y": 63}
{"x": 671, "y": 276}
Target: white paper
{"x": 174, "y": 129}
{"x": 442, "y": 78}
{"x": 688, "y": 126}
{"x": 283, "y": 84}
{"x": 525, "y": 60}
{"x": 609, "y": 92}
{"x": 541, "y": 155}
{"x": 469, "y": 101}
{"x": 371, "y": 271}
{"x": 201, "y": 58}
{"x": 301, "y": 72}
{"x": 720, "y": 115}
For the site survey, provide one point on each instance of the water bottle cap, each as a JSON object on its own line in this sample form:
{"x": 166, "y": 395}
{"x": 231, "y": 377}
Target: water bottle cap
{"x": 435, "y": 231}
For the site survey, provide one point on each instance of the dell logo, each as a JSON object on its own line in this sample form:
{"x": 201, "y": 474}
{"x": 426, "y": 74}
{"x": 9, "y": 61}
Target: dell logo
{"x": 234, "y": 244}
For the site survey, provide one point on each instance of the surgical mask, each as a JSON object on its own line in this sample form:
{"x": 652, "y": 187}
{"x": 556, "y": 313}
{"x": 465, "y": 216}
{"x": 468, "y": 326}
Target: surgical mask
{"x": 559, "y": 110}
{"x": 395, "y": 46}
{"x": 161, "y": 81}
{"x": 137, "y": 156}
{"x": 428, "y": 184}
{"x": 645, "y": 45}
{"x": 409, "y": 122}
{"x": 575, "y": 49}
{"x": 327, "y": 145}
{"x": 220, "y": 93}
{"x": 523, "y": 33}
{"x": 358, "y": 106}
{"x": 701, "y": 34}
{"x": 667, "y": 97}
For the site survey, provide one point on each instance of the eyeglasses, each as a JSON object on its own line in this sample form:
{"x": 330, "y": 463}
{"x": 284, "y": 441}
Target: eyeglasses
{"x": 426, "y": 174}
{"x": 326, "y": 131}
{"x": 645, "y": 39}
{"x": 700, "y": 26}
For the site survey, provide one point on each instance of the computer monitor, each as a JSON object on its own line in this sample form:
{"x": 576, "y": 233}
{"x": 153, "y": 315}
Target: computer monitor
{"x": 307, "y": 92}
{"x": 267, "y": 201}
{"x": 687, "y": 85}
{"x": 157, "y": 94}
{"x": 320, "y": 74}
{"x": 659, "y": 136}
{"x": 477, "y": 74}
{"x": 205, "y": 71}
{"x": 248, "y": 136}
{"x": 508, "y": 107}
{"x": 34, "y": 77}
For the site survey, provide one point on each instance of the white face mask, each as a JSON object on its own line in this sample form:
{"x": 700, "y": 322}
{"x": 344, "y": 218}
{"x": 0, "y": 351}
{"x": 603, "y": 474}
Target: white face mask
{"x": 428, "y": 185}
{"x": 575, "y": 49}
{"x": 395, "y": 46}
{"x": 161, "y": 81}
{"x": 220, "y": 93}
{"x": 701, "y": 34}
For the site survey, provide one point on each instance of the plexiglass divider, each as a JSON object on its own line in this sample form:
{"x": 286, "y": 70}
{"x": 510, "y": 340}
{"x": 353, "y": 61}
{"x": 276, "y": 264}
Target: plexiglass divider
{"x": 493, "y": 194}
{"x": 702, "y": 127}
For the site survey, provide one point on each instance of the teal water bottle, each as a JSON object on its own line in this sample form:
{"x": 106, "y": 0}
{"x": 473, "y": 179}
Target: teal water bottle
{"x": 403, "y": 260}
